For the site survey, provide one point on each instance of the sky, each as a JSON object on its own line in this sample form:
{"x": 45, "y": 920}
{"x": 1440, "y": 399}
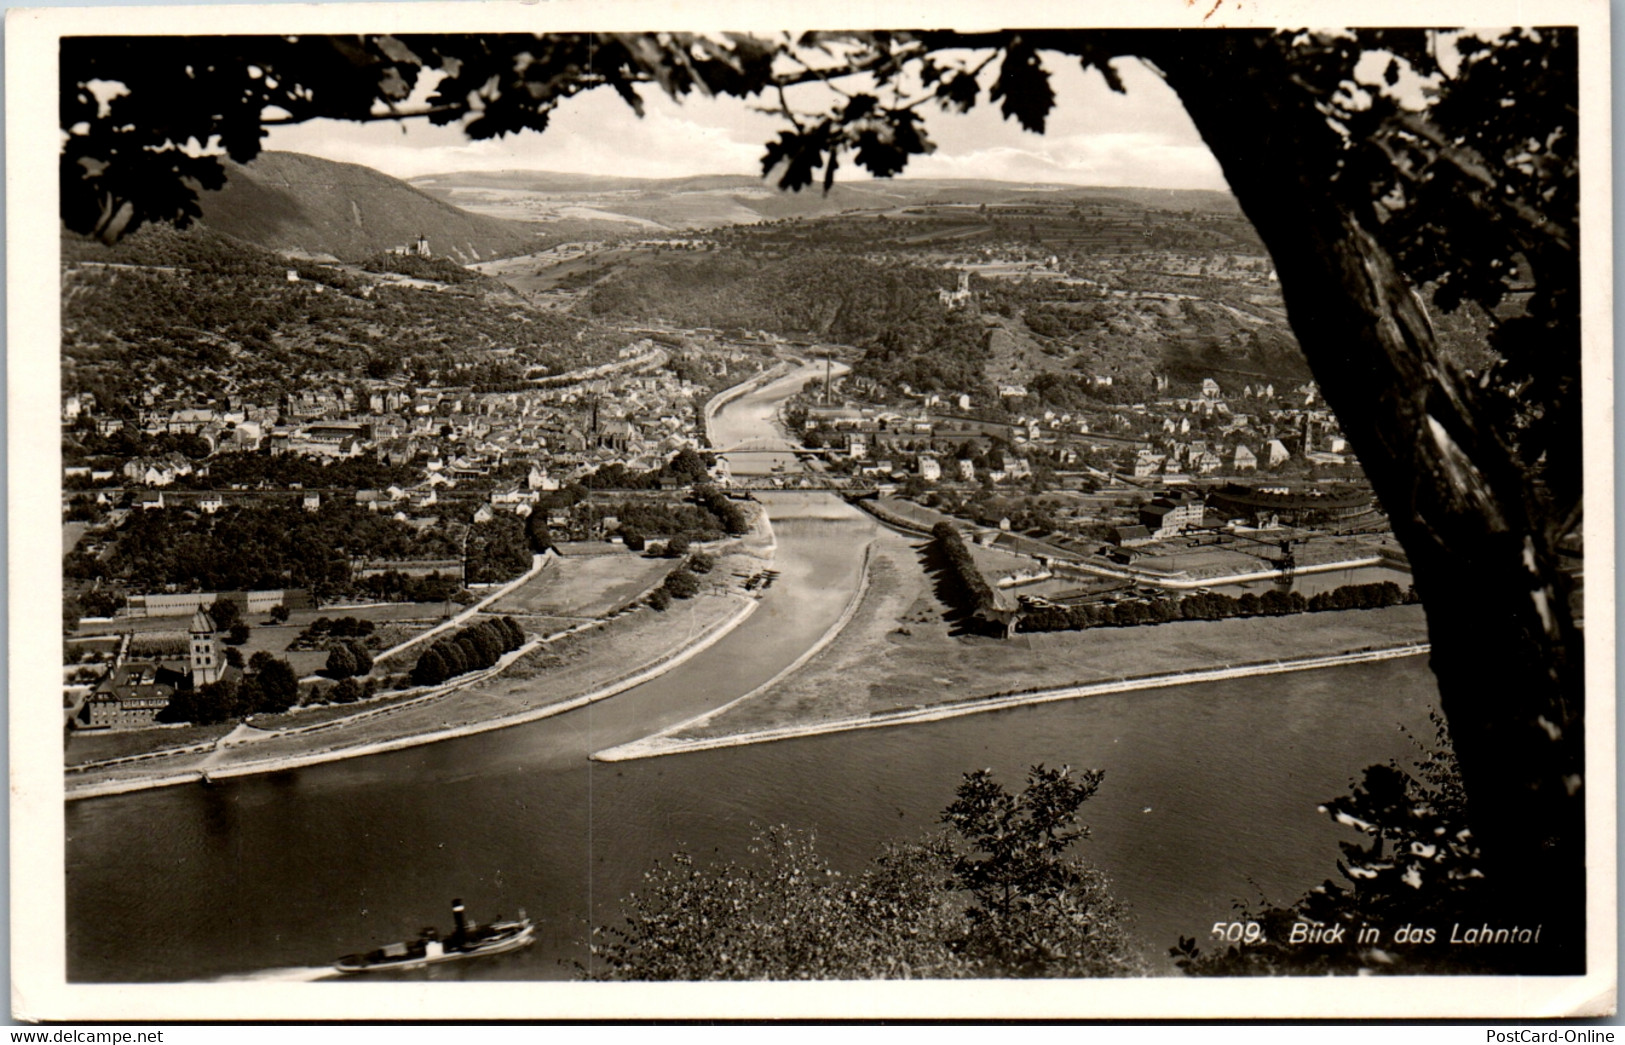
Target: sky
{"x": 1095, "y": 137}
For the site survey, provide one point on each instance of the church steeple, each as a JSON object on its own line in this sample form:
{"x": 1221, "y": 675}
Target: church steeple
{"x": 205, "y": 662}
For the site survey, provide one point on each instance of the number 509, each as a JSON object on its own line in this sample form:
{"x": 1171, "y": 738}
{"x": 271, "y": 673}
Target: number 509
{"x": 1238, "y": 932}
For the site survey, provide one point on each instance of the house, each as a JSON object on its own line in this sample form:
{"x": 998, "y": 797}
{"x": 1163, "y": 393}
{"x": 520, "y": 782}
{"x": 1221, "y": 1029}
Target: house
{"x": 1278, "y": 452}
{"x": 210, "y": 503}
{"x": 131, "y": 695}
{"x": 1210, "y": 388}
{"x": 484, "y": 513}
{"x": 153, "y": 500}
{"x": 1148, "y": 464}
{"x": 311, "y": 502}
{"x": 930, "y": 470}
{"x": 516, "y": 496}
{"x": 967, "y": 470}
{"x": 1166, "y": 516}
{"x": 1131, "y": 536}
{"x": 1246, "y": 460}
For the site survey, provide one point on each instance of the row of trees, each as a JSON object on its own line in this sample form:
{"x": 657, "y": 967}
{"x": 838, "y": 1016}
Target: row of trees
{"x": 646, "y": 517}
{"x": 285, "y": 471}
{"x": 393, "y": 585}
{"x": 1211, "y": 606}
{"x": 962, "y": 567}
{"x": 472, "y": 648}
{"x": 335, "y": 627}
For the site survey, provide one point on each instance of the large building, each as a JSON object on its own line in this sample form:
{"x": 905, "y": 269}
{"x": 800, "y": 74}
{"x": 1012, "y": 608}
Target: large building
{"x": 1172, "y": 514}
{"x": 1307, "y": 506}
{"x": 131, "y": 696}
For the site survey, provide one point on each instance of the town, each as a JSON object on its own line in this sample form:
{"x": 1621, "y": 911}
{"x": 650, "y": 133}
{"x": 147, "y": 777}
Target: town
{"x": 1123, "y": 498}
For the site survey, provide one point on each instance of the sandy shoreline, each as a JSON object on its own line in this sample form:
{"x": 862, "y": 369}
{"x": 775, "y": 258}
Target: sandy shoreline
{"x": 665, "y": 744}
{"x": 830, "y": 635}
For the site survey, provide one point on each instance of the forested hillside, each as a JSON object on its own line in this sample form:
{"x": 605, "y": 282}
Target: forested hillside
{"x": 892, "y": 312}
{"x": 197, "y": 313}
{"x": 289, "y": 201}
{"x": 816, "y": 294}
{"x": 1055, "y": 337}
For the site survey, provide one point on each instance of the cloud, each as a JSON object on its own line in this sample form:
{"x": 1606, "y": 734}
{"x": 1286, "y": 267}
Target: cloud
{"x": 595, "y": 134}
{"x": 1094, "y": 137}
{"x": 1124, "y": 159}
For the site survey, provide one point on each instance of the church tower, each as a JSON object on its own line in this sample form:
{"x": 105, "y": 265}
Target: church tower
{"x": 205, "y": 662}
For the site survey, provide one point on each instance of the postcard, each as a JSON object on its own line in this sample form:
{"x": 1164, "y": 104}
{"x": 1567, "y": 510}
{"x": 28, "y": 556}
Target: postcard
{"x": 602, "y": 511}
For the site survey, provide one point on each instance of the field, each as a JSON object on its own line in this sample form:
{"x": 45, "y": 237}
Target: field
{"x": 583, "y": 586}
{"x": 906, "y": 648}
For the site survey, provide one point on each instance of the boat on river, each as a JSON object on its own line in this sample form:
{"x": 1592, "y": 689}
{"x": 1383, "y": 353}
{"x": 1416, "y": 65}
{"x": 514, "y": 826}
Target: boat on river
{"x": 466, "y": 940}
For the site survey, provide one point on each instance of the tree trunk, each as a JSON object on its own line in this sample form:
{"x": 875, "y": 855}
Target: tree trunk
{"x": 1505, "y": 649}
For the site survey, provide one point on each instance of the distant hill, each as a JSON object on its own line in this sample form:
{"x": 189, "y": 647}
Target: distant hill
{"x": 589, "y": 206}
{"x": 286, "y": 201}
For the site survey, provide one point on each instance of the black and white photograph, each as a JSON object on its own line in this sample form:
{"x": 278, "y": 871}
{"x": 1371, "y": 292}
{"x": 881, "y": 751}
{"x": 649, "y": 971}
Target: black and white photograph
{"x": 559, "y": 499}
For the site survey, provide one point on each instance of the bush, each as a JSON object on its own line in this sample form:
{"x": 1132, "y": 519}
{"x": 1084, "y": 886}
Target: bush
{"x": 728, "y": 513}
{"x": 348, "y": 691}
{"x": 431, "y": 669}
{"x": 279, "y": 686}
{"x": 682, "y": 584}
{"x": 660, "y": 599}
{"x": 363, "y": 658}
{"x": 225, "y": 613}
{"x": 700, "y": 562}
{"x": 676, "y": 547}
{"x": 238, "y": 634}
{"x": 340, "y": 662}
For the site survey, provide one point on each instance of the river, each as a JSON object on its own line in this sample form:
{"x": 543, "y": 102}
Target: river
{"x": 1209, "y": 796}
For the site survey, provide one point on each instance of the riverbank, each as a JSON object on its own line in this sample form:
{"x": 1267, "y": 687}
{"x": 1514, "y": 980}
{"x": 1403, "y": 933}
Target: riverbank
{"x": 903, "y": 655}
{"x": 580, "y": 669}
{"x": 1179, "y": 571}
{"x": 673, "y": 744}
